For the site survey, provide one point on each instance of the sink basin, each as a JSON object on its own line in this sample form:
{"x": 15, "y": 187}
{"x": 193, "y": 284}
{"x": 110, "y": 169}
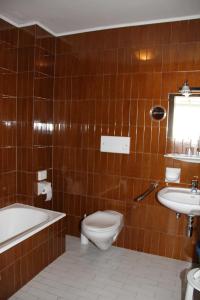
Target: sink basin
{"x": 181, "y": 200}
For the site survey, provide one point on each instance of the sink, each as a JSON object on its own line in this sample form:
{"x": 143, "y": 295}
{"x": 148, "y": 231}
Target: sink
{"x": 181, "y": 200}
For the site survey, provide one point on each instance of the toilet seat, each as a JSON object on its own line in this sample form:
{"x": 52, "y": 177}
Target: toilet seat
{"x": 102, "y": 221}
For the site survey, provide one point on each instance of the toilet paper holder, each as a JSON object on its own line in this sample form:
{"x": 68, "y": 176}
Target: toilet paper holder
{"x": 44, "y": 188}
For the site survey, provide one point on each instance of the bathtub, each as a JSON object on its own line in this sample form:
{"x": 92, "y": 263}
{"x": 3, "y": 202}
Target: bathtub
{"x": 19, "y": 222}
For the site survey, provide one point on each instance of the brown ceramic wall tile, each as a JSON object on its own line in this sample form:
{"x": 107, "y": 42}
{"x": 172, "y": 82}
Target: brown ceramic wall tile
{"x": 34, "y": 110}
{"x": 8, "y": 112}
{"x": 25, "y": 183}
{"x": 26, "y": 125}
{"x": 26, "y": 59}
{"x": 106, "y": 83}
{"x": 8, "y": 58}
{"x": 24, "y": 122}
{"x": 25, "y": 84}
{"x": 185, "y": 31}
{"x": 8, "y": 84}
{"x": 43, "y": 87}
{"x": 45, "y": 40}
{"x": 27, "y": 36}
{"x": 44, "y": 62}
{"x": 22, "y": 262}
{"x": 8, "y": 34}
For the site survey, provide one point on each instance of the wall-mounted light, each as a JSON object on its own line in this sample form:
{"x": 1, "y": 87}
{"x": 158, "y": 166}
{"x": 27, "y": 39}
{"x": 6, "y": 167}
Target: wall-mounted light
{"x": 144, "y": 54}
{"x": 186, "y": 90}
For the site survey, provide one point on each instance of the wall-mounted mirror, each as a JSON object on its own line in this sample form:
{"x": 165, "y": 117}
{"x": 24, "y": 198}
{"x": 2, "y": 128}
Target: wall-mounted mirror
{"x": 158, "y": 113}
{"x": 184, "y": 118}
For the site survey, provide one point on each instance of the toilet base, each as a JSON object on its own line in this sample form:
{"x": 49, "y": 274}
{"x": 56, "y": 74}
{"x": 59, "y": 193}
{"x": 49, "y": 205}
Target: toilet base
{"x": 84, "y": 240}
{"x": 102, "y": 244}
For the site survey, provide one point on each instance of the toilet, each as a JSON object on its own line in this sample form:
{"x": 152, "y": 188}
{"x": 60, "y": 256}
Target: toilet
{"x": 101, "y": 228}
{"x": 193, "y": 283}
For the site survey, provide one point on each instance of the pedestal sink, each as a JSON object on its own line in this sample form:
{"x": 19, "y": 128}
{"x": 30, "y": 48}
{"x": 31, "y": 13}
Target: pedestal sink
{"x": 181, "y": 200}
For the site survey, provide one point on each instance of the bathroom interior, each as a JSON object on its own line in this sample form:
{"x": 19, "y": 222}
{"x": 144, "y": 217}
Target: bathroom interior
{"x": 100, "y": 150}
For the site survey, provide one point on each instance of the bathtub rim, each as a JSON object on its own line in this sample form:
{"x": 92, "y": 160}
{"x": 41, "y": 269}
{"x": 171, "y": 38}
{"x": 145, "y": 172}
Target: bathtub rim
{"x": 53, "y": 216}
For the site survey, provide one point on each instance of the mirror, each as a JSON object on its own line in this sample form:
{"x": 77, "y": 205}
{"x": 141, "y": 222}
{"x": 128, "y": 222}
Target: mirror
{"x": 184, "y": 118}
{"x": 158, "y": 113}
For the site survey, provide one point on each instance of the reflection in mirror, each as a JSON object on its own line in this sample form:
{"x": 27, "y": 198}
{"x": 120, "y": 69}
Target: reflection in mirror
{"x": 184, "y": 118}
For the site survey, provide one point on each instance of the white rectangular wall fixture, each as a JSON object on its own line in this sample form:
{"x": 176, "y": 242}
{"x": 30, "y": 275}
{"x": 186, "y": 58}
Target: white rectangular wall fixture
{"x": 172, "y": 175}
{"x": 42, "y": 175}
{"x": 115, "y": 144}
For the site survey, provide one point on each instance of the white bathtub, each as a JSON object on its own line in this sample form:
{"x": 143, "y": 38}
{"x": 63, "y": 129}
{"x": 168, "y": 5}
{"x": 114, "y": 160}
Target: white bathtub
{"x": 18, "y": 222}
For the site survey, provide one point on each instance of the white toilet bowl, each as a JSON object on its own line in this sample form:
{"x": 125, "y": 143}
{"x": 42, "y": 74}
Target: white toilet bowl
{"x": 102, "y": 228}
{"x": 193, "y": 278}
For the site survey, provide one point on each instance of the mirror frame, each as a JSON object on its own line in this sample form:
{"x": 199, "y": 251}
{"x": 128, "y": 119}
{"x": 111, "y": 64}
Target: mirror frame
{"x": 170, "y": 120}
{"x": 164, "y": 113}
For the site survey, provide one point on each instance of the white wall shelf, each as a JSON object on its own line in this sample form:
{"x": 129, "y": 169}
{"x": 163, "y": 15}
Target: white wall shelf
{"x": 184, "y": 157}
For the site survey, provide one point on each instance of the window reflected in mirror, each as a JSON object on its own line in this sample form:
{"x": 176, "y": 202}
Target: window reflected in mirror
{"x": 184, "y": 118}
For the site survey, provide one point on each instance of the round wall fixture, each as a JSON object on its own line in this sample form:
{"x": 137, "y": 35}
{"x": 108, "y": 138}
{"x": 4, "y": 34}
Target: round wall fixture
{"x": 158, "y": 113}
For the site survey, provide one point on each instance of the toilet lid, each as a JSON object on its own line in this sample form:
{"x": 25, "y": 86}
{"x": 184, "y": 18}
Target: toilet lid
{"x": 102, "y": 221}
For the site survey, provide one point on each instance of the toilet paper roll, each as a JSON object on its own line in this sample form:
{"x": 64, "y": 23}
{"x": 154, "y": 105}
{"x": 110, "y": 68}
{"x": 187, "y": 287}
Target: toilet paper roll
{"x": 47, "y": 189}
{"x": 49, "y": 195}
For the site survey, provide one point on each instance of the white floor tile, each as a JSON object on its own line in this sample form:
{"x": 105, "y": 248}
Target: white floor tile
{"x": 86, "y": 273}
{"x": 68, "y": 297}
{"x": 24, "y": 296}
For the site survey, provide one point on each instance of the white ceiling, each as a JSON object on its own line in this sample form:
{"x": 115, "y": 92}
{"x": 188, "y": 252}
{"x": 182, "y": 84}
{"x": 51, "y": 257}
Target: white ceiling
{"x": 62, "y": 17}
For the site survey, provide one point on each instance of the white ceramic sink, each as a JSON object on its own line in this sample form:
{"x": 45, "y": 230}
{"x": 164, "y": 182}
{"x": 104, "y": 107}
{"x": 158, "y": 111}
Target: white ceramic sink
{"x": 181, "y": 200}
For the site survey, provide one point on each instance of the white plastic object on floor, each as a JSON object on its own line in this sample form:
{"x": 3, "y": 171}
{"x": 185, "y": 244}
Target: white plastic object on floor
{"x": 193, "y": 278}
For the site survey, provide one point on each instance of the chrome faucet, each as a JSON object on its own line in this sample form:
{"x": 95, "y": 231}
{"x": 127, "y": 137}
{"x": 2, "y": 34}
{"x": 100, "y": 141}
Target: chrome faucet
{"x": 195, "y": 184}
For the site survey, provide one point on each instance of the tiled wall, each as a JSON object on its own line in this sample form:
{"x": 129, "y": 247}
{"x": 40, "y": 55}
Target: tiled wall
{"x": 8, "y": 96}
{"x": 34, "y": 111}
{"x": 26, "y": 111}
{"x": 105, "y": 84}
{"x": 22, "y": 262}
